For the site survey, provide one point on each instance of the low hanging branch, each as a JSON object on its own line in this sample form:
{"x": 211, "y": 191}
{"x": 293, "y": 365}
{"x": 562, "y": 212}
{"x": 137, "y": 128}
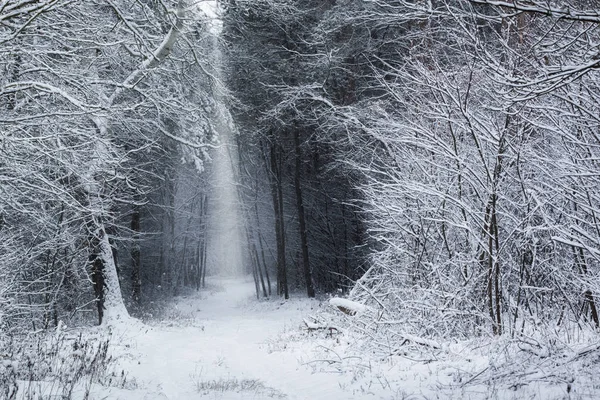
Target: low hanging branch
{"x": 566, "y": 13}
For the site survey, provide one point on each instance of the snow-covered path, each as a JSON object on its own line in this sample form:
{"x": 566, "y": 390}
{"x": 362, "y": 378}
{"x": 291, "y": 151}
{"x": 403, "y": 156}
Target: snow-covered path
{"x": 230, "y": 350}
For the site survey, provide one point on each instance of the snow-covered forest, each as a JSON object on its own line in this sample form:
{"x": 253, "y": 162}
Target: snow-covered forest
{"x": 301, "y": 199}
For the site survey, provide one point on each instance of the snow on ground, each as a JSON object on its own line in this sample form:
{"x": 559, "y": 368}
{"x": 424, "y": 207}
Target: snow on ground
{"x": 229, "y": 347}
{"x": 223, "y": 344}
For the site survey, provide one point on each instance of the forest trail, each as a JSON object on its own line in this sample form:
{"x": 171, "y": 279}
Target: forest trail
{"x": 226, "y": 349}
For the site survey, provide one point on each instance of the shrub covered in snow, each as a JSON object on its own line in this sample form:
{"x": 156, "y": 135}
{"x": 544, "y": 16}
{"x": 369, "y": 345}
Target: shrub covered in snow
{"x": 48, "y": 365}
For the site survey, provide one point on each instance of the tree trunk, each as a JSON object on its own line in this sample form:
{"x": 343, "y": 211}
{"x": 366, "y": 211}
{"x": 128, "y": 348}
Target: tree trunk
{"x": 264, "y": 263}
{"x": 106, "y": 282}
{"x": 197, "y": 266}
{"x": 202, "y": 243}
{"x": 260, "y": 243}
{"x": 487, "y": 259}
{"x": 277, "y": 194}
{"x": 589, "y": 300}
{"x": 301, "y": 217}
{"x": 136, "y": 259}
{"x": 203, "y": 278}
{"x": 260, "y": 274}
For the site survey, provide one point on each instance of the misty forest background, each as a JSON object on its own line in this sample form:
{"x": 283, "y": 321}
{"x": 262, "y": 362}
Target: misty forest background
{"x": 436, "y": 160}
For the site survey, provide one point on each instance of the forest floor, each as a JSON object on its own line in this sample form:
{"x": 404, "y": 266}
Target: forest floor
{"x": 223, "y": 344}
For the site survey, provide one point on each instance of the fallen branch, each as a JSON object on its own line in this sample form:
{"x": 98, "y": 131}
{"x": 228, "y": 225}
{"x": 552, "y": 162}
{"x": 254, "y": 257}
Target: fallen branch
{"x": 419, "y": 340}
{"x": 313, "y": 326}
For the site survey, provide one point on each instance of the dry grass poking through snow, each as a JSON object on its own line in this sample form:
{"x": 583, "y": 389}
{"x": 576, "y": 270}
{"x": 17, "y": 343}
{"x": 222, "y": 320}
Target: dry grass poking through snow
{"x": 56, "y": 364}
{"x": 253, "y": 386}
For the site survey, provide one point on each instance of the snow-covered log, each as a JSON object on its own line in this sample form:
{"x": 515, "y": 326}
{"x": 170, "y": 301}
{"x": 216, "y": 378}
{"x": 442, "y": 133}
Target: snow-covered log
{"x": 348, "y": 306}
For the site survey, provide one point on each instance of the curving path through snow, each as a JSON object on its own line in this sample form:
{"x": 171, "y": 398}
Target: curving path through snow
{"x": 229, "y": 349}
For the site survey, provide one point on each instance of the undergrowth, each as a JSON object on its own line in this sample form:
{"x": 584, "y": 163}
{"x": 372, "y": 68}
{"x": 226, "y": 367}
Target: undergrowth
{"x": 51, "y": 365}
{"x": 548, "y": 362}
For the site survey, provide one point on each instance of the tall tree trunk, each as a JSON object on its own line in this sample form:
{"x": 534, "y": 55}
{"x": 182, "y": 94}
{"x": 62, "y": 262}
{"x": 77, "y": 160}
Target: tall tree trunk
{"x": 198, "y": 265}
{"x": 346, "y": 273}
{"x": 204, "y": 244}
{"x": 589, "y": 300}
{"x": 106, "y": 282}
{"x": 277, "y": 194}
{"x": 264, "y": 263}
{"x": 260, "y": 241}
{"x": 136, "y": 259}
{"x": 301, "y": 217}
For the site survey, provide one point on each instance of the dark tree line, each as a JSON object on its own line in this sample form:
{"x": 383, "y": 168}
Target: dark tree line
{"x": 299, "y": 203}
